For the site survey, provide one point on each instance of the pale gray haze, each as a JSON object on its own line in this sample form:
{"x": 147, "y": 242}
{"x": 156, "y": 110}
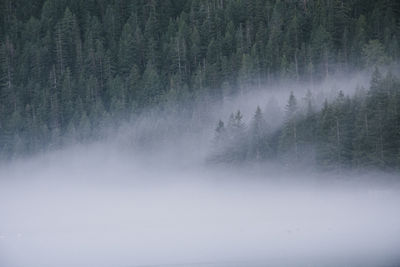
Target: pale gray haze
{"x": 120, "y": 202}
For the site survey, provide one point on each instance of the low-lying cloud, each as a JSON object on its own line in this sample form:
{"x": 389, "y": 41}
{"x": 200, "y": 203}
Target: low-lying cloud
{"x": 144, "y": 196}
{"x": 91, "y": 207}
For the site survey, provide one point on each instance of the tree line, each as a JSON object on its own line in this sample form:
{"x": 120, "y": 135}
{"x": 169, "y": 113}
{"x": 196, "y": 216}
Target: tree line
{"x": 359, "y": 132}
{"x": 68, "y": 65}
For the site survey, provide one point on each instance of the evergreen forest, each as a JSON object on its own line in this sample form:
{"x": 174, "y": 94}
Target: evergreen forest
{"x": 360, "y": 132}
{"x": 67, "y": 67}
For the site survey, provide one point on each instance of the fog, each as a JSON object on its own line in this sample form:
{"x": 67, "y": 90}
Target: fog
{"x": 279, "y": 91}
{"x": 121, "y": 202}
{"x": 178, "y": 133}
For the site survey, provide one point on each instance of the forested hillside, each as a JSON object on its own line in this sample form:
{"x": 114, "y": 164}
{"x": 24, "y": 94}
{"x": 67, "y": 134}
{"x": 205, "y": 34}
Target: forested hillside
{"x": 348, "y": 133}
{"x": 68, "y": 65}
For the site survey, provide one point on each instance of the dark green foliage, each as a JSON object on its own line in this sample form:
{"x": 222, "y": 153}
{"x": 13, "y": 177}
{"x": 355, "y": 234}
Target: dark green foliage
{"x": 230, "y": 142}
{"x": 289, "y": 143}
{"x": 347, "y": 133}
{"x": 63, "y": 60}
{"x": 259, "y": 146}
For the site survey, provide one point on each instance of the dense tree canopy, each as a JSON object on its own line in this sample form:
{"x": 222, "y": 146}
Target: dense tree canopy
{"x": 358, "y": 132}
{"x": 68, "y": 64}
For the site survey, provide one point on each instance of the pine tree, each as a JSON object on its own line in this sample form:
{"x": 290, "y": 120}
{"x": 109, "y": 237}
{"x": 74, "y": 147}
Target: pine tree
{"x": 374, "y": 54}
{"x": 220, "y": 143}
{"x": 127, "y": 49}
{"x": 289, "y": 137}
{"x": 236, "y": 150}
{"x": 258, "y": 146}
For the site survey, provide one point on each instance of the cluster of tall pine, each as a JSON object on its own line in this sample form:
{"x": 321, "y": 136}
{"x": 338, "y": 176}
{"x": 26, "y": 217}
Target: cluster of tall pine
{"x": 359, "y": 132}
{"x": 68, "y": 65}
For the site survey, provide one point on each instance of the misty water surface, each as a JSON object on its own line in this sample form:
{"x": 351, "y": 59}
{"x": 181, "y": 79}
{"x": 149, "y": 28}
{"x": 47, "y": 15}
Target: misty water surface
{"x": 144, "y": 199}
{"x": 93, "y": 206}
